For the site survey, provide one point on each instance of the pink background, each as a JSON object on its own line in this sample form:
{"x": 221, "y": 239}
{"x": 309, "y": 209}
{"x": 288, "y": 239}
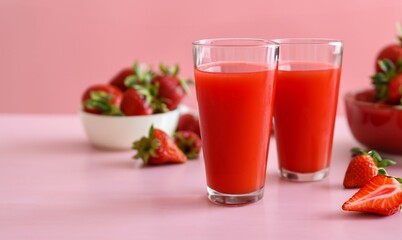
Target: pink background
{"x": 50, "y": 51}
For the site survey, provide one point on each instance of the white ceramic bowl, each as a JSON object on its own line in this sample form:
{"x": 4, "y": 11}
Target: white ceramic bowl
{"x": 119, "y": 132}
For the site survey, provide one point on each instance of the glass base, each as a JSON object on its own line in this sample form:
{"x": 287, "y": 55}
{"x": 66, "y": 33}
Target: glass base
{"x": 234, "y": 199}
{"x": 304, "y": 177}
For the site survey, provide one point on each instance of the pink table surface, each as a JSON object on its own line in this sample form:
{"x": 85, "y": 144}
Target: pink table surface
{"x": 54, "y": 185}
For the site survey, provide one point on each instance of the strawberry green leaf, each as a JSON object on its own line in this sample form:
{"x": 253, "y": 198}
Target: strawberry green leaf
{"x": 186, "y": 145}
{"x": 192, "y": 155}
{"x": 115, "y": 111}
{"x": 146, "y": 147}
{"x": 158, "y": 105}
{"x": 386, "y": 65}
{"x": 100, "y": 96}
{"x": 162, "y": 68}
{"x": 381, "y": 171}
{"x": 379, "y": 78}
{"x": 100, "y": 100}
{"x": 183, "y": 84}
{"x": 136, "y": 68}
{"x": 154, "y": 89}
{"x": 147, "y": 77}
{"x": 172, "y": 71}
{"x": 180, "y": 137}
{"x": 131, "y": 81}
{"x": 382, "y": 79}
{"x": 381, "y": 93}
{"x": 386, "y": 163}
{"x": 357, "y": 151}
{"x": 379, "y": 161}
{"x": 375, "y": 155}
{"x": 96, "y": 105}
{"x": 175, "y": 70}
{"x": 151, "y": 132}
{"x": 140, "y": 76}
{"x": 145, "y": 91}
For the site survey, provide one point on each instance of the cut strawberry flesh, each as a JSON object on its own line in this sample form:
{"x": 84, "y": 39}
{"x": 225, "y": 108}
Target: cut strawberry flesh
{"x": 382, "y": 195}
{"x": 385, "y": 190}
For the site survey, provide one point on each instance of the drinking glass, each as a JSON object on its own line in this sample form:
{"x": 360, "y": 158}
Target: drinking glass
{"x": 235, "y": 83}
{"x": 305, "y": 106}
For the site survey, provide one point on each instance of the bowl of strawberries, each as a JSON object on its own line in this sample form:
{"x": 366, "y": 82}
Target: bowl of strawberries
{"x": 117, "y": 113}
{"x": 375, "y": 115}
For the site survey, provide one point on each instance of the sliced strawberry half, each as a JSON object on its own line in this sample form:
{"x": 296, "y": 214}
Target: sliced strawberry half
{"x": 381, "y": 195}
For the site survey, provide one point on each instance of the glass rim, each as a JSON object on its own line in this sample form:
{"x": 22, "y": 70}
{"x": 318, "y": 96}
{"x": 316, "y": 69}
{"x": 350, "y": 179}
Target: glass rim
{"x": 219, "y": 42}
{"x": 308, "y": 41}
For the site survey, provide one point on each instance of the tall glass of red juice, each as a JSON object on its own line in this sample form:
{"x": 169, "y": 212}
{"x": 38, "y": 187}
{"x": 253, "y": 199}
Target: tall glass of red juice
{"x": 235, "y": 83}
{"x": 305, "y": 106}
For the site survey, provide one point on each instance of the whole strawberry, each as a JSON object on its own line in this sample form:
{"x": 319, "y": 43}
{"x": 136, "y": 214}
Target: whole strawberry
{"x": 189, "y": 143}
{"x": 131, "y": 77}
{"x": 158, "y": 148}
{"x": 388, "y": 83}
{"x": 189, "y": 122}
{"x": 102, "y": 99}
{"x": 363, "y": 167}
{"x": 171, "y": 89}
{"x": 134, "y": 103}
{"x": 381, "y": 195}
{"x": 395, "y": 90}
{"x": 393, "y": 52}
{"x": 120, "y": 77}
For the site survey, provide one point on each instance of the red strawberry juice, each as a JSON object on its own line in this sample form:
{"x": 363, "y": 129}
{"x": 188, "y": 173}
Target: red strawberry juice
{"x": 305, "y": 111}
{"x": 236, "y": 105}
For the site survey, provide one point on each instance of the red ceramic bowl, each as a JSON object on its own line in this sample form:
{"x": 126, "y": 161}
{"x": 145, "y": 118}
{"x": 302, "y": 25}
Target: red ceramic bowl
{"x": 375, "y": 125}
